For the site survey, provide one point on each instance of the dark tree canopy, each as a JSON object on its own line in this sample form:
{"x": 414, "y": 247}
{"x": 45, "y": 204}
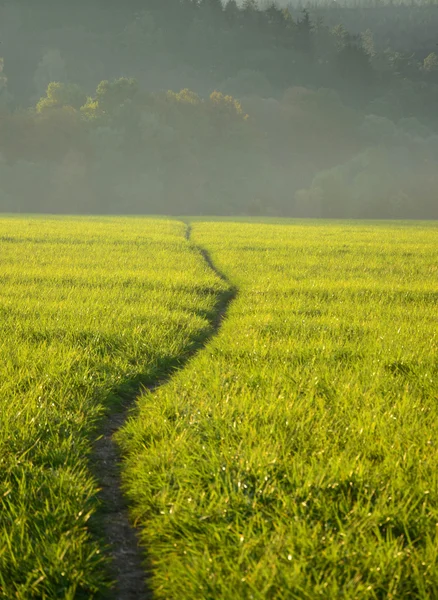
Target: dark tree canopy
{"x": 274, "y": 108}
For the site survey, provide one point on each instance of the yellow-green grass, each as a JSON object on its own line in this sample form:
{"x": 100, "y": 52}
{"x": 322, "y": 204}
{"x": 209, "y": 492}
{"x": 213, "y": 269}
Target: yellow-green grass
{"x": 296, "y": 455}
{"x": 89, "y": 309}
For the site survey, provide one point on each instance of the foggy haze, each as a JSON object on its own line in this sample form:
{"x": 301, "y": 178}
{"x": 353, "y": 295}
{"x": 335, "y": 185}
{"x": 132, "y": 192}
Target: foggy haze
{"x": 184, "y": 107}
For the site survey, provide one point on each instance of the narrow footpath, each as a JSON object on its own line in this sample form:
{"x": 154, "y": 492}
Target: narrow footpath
{"x": 128, "y": 558}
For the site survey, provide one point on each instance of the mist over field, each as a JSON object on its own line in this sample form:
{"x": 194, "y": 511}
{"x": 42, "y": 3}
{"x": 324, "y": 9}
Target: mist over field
{"x": 323, "y": 109}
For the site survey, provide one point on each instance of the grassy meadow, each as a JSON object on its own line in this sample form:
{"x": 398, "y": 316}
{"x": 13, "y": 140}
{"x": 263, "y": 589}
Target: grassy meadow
{"x": 89, "y": 308}
{"x": 296, "y": 455}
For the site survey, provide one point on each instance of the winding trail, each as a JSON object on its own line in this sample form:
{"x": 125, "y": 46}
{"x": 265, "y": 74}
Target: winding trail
{"x": 128, "y": 558}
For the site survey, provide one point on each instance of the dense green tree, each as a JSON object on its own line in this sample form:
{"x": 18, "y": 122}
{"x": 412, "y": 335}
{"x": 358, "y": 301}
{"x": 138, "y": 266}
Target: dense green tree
{"x": 59, "y": 95}
{"x": 112, "y": 95}
{"x": 304, "y": 37}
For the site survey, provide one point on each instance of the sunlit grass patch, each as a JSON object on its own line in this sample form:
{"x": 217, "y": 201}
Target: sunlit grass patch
{"x": 295, "y": 456}
{"x": 88, "y": 307}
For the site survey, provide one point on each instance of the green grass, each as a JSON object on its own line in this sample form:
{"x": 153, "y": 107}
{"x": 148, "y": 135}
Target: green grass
{"x": 89, "y": 308}
{"x": 296, "y": 456}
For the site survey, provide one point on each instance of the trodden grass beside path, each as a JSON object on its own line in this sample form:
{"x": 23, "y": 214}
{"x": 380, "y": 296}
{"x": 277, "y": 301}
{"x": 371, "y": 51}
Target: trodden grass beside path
{"x": 88, "y": 308}
{"x": 296, "y": 455}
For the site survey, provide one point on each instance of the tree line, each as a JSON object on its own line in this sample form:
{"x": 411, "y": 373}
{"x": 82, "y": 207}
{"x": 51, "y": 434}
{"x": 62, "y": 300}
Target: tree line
{"x": 274, "y": 112}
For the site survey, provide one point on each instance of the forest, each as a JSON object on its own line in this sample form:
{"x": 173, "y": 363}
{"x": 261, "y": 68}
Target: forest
{"x": 199, "y": 107}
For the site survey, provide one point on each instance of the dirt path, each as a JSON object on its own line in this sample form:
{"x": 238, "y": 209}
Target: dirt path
{"x": 128, "y": 558}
